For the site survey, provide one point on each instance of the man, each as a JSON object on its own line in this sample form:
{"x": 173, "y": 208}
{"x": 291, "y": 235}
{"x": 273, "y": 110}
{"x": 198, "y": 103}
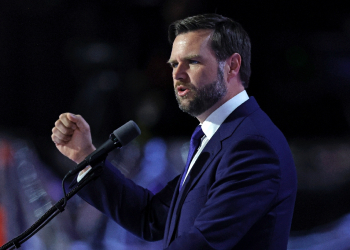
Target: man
{"x": 238, "y": 190}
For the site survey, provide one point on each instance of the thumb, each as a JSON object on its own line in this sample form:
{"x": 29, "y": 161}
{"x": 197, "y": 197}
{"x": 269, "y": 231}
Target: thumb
{"x": 79, "y": 121}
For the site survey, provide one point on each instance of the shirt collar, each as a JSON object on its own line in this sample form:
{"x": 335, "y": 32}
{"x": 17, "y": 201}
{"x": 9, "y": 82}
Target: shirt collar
{"x": 215, "y": 119}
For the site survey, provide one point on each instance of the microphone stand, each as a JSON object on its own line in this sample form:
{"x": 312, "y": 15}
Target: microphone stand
{"x": 55, "y": 209}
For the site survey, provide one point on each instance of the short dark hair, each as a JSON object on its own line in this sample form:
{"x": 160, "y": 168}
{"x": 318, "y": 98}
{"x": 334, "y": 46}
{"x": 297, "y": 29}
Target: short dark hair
{"x": 228, "y": 38}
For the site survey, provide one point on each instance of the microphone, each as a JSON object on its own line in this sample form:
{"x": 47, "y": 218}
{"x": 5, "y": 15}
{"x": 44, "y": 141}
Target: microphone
{"x": 120, "y": 137}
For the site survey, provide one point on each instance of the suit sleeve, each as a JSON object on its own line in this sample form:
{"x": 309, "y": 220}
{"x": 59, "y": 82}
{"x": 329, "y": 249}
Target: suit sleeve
{"x": 133, "y": 207}
{"x": 246, "y": 185}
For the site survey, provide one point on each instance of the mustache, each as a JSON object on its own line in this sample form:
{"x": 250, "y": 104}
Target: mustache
{"x": 186, "y": 85}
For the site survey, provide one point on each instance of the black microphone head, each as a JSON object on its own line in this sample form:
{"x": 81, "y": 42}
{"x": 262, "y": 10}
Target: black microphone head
{"x": 128, "y": 132}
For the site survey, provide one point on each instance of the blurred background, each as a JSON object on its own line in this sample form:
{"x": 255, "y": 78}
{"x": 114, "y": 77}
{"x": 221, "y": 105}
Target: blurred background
{"x": 106, "y": 60}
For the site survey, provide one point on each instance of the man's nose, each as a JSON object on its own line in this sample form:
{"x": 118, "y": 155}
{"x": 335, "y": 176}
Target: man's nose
{"x": 180, "y": 73}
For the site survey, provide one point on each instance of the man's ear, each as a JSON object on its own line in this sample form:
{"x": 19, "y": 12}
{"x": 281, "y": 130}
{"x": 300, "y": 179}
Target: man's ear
{"x": 234, "y": 64}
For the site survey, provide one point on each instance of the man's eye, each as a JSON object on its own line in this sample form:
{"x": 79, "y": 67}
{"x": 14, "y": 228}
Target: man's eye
{"x": 193, "y": 62}
{"x": 173, "y": 65}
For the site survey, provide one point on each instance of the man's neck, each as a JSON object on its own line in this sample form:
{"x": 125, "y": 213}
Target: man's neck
{"x": 202, "y": 117}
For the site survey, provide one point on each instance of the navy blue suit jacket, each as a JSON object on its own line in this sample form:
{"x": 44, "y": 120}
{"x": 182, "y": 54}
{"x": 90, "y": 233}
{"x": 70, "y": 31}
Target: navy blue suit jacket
{"x": 239, "y": 194}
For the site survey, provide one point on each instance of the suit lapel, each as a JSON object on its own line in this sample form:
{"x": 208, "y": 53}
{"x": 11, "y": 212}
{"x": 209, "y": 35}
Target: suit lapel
{"x": 206, "y": 157}
{"x": 213, "y": 147}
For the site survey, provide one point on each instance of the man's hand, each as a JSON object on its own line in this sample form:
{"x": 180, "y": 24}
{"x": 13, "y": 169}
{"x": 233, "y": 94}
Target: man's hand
{"x": 72, "y": 137}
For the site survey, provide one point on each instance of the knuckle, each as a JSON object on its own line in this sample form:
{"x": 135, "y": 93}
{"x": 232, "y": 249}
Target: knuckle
{"x": 57, "y": 123}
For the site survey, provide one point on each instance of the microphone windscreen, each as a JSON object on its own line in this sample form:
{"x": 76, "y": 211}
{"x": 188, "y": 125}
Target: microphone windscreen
{"x": 128, "y": 132}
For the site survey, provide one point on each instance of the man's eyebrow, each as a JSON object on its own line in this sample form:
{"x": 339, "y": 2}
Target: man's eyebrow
{"x": 170, "y": 61}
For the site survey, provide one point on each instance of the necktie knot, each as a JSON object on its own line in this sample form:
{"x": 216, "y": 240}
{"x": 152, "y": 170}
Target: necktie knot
{"x": 198, "y": 133}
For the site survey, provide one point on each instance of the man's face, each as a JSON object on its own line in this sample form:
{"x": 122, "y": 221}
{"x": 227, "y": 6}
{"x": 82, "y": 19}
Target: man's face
{"x": 198, "y": 77}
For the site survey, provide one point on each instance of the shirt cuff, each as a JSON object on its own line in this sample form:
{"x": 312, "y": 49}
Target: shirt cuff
{"x": 83, "y": 172}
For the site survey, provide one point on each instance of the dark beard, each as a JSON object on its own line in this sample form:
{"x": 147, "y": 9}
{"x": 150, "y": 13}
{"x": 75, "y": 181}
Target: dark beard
{"x": 205, "y": 97}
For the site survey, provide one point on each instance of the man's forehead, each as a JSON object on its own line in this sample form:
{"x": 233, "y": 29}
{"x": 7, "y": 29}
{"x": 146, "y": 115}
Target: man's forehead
{"x": 191, "y": 44}
{"x": 196, "y": 35}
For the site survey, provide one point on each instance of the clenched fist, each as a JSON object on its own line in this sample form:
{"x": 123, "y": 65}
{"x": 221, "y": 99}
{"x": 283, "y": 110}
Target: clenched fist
{"x": 72, "y": 137}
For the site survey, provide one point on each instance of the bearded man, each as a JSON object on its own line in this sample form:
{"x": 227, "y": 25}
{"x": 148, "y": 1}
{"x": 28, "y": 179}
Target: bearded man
{"x": 239, "y": 184}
